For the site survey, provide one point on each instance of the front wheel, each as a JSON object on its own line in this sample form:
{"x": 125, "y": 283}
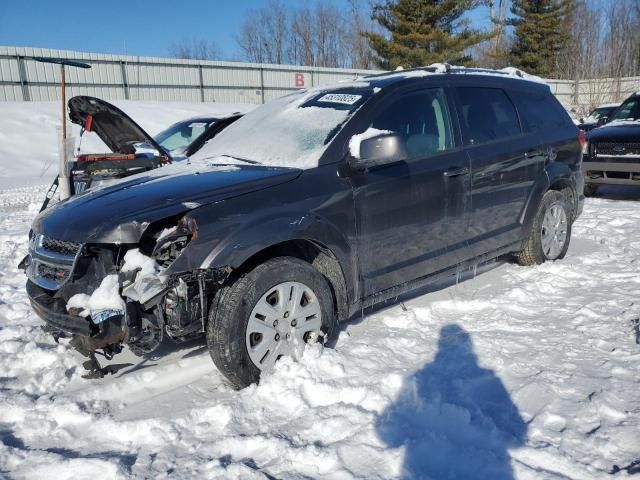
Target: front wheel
{"x": 273, "y": 310}
{"x": 550, "y": 232}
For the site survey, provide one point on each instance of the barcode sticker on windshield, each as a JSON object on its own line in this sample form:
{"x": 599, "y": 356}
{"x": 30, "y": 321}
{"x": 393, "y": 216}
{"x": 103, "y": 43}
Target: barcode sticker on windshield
{"x": 343, "y": 98}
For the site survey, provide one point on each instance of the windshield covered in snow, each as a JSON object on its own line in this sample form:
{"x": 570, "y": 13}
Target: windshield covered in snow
{"x": 291, "y": 131}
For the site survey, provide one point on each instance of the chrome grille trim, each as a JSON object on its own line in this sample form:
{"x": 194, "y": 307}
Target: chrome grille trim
{"x": 52, "y": 261}
{"x": 617, "y": 148}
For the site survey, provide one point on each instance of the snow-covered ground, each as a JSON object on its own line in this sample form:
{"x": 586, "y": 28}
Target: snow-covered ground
{"x": 527, "y": 373}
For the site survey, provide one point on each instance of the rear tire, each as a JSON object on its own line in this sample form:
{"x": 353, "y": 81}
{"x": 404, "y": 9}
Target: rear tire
{"x": 590, "y": 189}
{"x": 236, "y": 321}
{"x": 550, "y": 233}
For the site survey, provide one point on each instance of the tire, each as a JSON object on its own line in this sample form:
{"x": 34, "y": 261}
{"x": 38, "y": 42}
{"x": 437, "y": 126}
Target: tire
{"x": 590, "y": 189}
{"x": 534, "y": 252}
{"x": 233, "y": 315}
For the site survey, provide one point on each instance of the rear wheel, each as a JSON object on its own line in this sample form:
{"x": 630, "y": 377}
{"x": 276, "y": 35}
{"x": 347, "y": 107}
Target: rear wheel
{"x": 550, "y": 232}
{"x": 273, "y": 310}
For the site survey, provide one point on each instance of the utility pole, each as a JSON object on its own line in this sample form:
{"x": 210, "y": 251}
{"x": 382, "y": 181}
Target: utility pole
{"x": 64, "y": 186}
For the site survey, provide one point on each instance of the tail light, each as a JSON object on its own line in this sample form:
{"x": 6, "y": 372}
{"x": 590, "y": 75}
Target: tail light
{"x": 584, "y": 144}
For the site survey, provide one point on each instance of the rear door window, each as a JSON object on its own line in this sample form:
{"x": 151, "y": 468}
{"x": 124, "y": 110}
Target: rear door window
{"x": 422, "y": 119}
{"x": 486, "y": 114}
{"x": 539, "y": 111}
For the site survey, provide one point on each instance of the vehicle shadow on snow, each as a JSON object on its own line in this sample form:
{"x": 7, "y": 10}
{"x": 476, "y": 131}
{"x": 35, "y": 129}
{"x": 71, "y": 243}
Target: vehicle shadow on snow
{"x": 454, "y": 418}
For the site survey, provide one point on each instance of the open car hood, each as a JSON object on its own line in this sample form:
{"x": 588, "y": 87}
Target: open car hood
{"x": 114, "y": 127}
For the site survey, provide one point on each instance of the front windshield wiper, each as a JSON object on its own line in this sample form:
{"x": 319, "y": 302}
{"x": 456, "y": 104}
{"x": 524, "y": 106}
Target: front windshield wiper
{"x": 246, "y": 160}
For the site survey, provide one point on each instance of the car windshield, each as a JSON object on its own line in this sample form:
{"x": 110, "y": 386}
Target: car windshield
{"x": 291, "y": 131}
{"x": 600, "y": 112}
{"x": 629, "y": 110}
{"x": 181, "y": 134}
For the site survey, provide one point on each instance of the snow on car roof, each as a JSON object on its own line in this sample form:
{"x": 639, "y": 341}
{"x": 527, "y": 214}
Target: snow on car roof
{"x": 608, "y": 105}
{"x": 446, "y": 69}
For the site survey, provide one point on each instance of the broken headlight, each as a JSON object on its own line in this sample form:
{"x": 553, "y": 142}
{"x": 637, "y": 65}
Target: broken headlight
{"x": 171, "y": 241}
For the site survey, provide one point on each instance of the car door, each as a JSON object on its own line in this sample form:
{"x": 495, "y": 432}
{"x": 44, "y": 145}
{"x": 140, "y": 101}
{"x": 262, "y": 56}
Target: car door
{"x": 504, "y": 164}
{"x": 411, "y": 215}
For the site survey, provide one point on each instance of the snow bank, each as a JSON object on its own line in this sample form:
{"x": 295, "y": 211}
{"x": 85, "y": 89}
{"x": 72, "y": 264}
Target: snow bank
{"x": 524, "y": 373}
{"x": 29, "y": 139}
{"x": 356, "y": 140}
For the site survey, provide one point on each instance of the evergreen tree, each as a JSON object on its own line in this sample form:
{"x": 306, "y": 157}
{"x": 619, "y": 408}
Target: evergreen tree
{"x": 542, "y": 34}
{"x": 423, "y": 32}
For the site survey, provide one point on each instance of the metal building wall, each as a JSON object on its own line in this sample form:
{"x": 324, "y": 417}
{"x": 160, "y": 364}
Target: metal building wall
{"x": 168, "y": 79}
{"x": 151, "y": 78}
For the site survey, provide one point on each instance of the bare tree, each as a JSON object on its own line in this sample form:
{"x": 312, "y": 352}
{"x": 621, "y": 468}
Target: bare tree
{"x": 302, "y": 51}
{"x": 359, "y": 49}
{"x": 319, "y": 34}
{"x": 497, "y": 15}
{"x": 264, "y": 34}
{"x": 195, "y": 49}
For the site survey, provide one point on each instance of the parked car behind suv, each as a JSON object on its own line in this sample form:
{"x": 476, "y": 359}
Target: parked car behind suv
{"x": 613, "y": 153}
{"x": 598, "y": 116}
{"x": 306, "y": 210}
{"x": 133, "y": 150}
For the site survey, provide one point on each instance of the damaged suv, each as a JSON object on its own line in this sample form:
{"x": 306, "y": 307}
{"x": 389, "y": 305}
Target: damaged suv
{"x": 307, "y": 210}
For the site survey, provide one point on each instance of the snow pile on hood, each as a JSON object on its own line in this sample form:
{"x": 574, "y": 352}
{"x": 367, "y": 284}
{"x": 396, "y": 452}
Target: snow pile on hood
{"x": 356, "y": 140}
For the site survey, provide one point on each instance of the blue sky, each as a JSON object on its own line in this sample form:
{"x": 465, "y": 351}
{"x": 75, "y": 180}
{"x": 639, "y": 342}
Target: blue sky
{"x": 137, "y": 27}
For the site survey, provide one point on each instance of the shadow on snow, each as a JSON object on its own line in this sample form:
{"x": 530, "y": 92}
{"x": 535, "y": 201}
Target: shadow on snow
{"x": 454, "y": 418}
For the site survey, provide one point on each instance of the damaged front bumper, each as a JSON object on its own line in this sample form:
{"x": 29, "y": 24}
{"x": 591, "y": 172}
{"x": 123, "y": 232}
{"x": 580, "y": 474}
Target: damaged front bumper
{"x": 54, "y": 313}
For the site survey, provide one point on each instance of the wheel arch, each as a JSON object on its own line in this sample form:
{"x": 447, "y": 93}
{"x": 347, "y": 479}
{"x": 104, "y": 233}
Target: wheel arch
{"x": 318, "y": 255}
{"x": 556, "y": 176}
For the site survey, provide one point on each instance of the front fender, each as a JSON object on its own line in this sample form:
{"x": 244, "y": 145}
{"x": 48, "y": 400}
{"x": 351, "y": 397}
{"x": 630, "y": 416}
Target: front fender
{"x": 236, "y": 243}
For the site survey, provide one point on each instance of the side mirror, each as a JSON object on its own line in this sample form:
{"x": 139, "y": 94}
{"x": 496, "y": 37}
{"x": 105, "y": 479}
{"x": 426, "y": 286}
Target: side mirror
{"x": 602, "y": 121}
{"x": 379, "y": 150}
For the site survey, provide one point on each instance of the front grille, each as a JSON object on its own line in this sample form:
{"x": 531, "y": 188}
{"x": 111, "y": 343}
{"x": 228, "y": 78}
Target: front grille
{"x": 51, "y": 261}
{"x": 617, "y": 148}
{"x": 52, "y": 273}
{"x": 60, "y": 246}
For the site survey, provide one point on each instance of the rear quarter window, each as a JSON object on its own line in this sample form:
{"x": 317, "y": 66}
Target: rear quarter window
{"x": 539, "y": 111}
{"x": 487, "y": 114}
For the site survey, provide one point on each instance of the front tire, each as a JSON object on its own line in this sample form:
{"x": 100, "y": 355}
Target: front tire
{"x": 267, "y": 313}
{"x": 550, "y": 232}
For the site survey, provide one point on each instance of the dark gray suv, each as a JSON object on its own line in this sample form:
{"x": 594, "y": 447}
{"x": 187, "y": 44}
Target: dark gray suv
{"x": 308, "y": 209}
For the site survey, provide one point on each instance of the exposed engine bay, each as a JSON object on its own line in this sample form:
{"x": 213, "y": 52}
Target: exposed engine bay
{"x": 103, "y": 297}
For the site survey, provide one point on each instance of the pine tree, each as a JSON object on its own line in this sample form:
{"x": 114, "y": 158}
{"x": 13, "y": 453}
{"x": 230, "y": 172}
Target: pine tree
{"x": 423, "y": 32}
{"x": 541, "y": 34}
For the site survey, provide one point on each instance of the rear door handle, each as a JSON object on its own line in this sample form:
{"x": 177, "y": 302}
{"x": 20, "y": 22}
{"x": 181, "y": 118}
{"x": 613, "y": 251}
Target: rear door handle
{"x": 455, "y": 172}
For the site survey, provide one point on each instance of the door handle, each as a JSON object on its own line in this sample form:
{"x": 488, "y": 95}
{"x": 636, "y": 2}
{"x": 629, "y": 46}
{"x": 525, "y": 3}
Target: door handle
{"x": 456, "y": 171}
{"x": 532, "y": 153}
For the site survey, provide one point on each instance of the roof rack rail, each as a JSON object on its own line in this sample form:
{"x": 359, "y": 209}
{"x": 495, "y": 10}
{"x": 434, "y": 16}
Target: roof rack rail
{"x": 439, "y": 67}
